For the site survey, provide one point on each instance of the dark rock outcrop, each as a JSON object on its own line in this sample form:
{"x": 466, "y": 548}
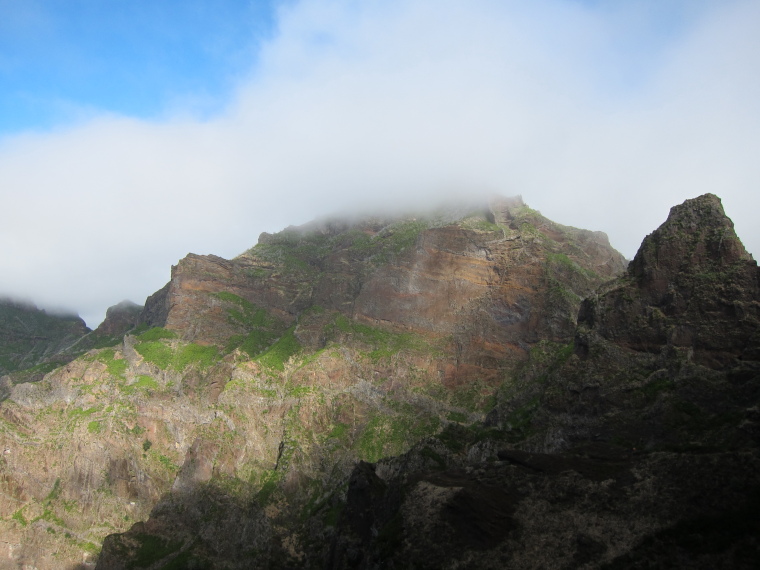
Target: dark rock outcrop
{"x": 692, "y": 285}
{"x": 634, "y": 447}
{"x": 120, "y": 319}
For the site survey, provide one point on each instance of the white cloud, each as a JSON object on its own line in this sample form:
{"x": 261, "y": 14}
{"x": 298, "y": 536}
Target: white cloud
{"x": 355, "y": 104}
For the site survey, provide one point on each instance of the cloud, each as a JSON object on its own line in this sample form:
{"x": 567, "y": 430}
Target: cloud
{"x": 596, "y": 122}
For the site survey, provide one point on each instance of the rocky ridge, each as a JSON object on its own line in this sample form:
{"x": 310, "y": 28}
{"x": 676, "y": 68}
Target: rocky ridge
{"x": 237, "y": 420}
{"x": 30, "y": 336}
{"x": 634, "y": 447}
{"x": 265, "y": 378}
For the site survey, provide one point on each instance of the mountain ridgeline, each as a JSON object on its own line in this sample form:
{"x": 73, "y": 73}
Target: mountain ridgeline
{"x": 472, "y": 387}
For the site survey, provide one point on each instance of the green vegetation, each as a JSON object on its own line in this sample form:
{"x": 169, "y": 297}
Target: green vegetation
{"x": 561, "y": 263}
{"x": 385, "y": 343}
{"x": 479, "y": 222}
{"x": 144, "y": 383}
{"x": 94, "y": 427}
{"x": 156, "y": 333}
{"x": 193, "y": 353}
{"x": 397, "y": 238}
{"x": 76, "y": 413}
{"x": 340, "y": 431}
{"x": 263, "y": 329}
{"x": 167, "y": 463}
{"x": 269, "y": 481}
{"x": 55, "y": 492}
{"x": 244, "y": 311}
{"x": 457, "y": 417}
{"x": 155, "y": 352}
{"x": 281, "y": 351}
{"x": 115, "y": 367}
{"x": 165, "y": 356}
{"x": 18, "y": 516}
{"x": 300, "y": 391}
{"x": 254, "y": 343}
{"x": 48, "y": 515}
{"x": 304, "y": 253}
{"x": 391, "y": 435}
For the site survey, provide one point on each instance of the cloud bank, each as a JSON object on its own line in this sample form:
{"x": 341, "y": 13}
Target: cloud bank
{"x": 601, "y": 116}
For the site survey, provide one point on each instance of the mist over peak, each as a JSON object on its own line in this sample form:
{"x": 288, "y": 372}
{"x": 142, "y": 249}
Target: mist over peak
{"x": 601, "y": 116}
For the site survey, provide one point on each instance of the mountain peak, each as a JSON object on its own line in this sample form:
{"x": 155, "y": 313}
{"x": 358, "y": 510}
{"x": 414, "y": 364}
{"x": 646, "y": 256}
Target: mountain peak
{"x": 697, "y": 236}
{"x": 691, "y": 285}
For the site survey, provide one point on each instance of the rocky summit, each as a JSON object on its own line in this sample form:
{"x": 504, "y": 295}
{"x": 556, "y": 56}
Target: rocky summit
{"x": 471, "y": 387}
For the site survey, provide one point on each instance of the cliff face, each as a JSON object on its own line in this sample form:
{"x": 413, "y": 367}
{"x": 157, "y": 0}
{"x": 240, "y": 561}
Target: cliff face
{"x": 691, "y": 285}
{"x": 493, "y": 288}
{"x": 238, "y": 417}
{"x": 412, "y": 392}
{"x": 635, "y": 446}
{"x": 30, "y": 336}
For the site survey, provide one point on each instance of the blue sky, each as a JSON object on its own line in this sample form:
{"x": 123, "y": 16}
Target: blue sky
{"x": 64, "y": 61}
{"x": 135, "y": 132}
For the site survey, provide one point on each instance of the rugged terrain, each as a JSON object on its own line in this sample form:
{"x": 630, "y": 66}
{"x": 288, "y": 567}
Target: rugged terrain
{"x": 261, "y": 380}
{"x": 636, "y": 446}
{"x": 424, "y": 391}
{"x": 30, "y": 336}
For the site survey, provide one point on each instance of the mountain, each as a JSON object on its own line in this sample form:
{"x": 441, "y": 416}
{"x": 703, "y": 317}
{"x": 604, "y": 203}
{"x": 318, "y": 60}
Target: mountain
{"x": 636, "y": 446}
{"x": 30, "y": 336}
{"x": 428, "y": 390}
{"x": 34, "y": 342}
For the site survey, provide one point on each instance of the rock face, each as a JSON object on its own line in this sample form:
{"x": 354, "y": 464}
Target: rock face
{"x": 634, "y": 447}
{"x": 120, "y": 319}
{"x": 409, "y": 392}
{"x": 691, "y": 285}
{"x": 30, "y": 336}
{"x": 236, "y": 419}
{"x": 493, "y": 288}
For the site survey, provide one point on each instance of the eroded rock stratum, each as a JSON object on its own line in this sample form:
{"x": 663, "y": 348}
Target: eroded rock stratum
{"x": 442, "y": 352}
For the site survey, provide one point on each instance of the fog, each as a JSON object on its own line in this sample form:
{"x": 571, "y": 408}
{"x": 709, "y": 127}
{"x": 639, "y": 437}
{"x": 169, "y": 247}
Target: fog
{"x": 600, "y": 116}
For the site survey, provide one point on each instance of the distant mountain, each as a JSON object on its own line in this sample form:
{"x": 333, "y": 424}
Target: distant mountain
{"x": 428, "y": 390}
{"x": 34, "y": 342}
{"x": 30, "y": 336}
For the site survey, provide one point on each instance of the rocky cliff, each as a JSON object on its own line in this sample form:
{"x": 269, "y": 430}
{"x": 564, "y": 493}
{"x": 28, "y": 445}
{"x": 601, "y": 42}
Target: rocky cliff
{"x": 411, "y": 392}
{"x": 636, "y": 446}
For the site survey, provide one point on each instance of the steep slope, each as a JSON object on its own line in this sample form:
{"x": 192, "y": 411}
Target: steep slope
{"x": 266, "y": 377}
{"x": 636, "y": 446}
{"x": 494, "y": 279}
{"x": 33, "y": 342}
{"x": 30, "y": 336}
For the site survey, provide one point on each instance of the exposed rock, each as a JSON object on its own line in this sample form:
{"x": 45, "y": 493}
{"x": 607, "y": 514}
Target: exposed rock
{"x": 692, "y": 285}
{"x": 120, "y": 319}
{"x": 494, "y": 289}
{"x": 318, "y": 402}
{"x": 636, "y": 447}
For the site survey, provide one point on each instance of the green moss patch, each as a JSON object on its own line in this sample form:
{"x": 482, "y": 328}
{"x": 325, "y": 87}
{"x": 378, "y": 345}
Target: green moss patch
{"x": 281, "y": 351}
